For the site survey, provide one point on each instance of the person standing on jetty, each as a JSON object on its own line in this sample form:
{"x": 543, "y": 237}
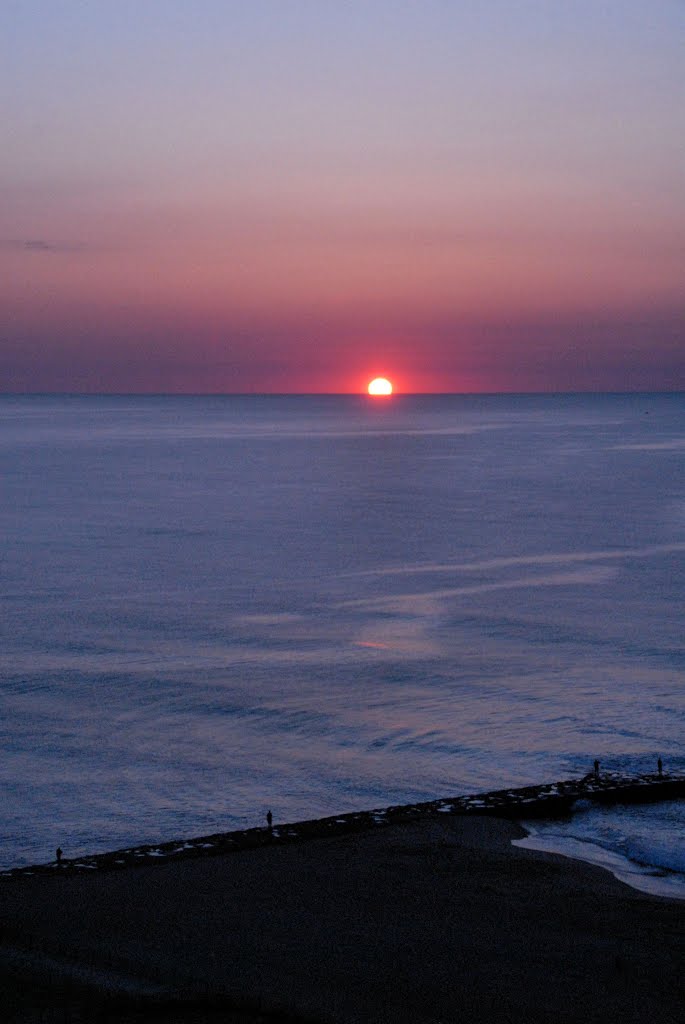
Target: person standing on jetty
{"x": 269, "y": 820}
{"x": 596, "y": 769}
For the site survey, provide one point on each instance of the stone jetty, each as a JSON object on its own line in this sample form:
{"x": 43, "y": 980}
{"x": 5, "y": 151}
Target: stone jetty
{"x": 555, "y": 799}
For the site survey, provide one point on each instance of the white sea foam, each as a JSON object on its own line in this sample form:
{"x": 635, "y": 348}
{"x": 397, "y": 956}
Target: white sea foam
{"x": 641, "y": 843}
{"x": 419, "y": 601}
{"x": 654, "y": 881}
{"x": 546, "y": 558}
{"x": 676, "y": 445}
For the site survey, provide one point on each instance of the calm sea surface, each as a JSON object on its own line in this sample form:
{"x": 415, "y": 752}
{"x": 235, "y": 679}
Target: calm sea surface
{"x": 213, "y": 606}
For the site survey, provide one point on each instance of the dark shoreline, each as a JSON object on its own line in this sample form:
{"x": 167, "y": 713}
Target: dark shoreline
{"x": 436, "y": 919}
{"x": 529, "y": 802}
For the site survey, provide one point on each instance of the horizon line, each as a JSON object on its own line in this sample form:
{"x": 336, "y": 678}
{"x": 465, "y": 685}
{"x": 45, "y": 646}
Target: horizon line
{"x": 335, "y": 394}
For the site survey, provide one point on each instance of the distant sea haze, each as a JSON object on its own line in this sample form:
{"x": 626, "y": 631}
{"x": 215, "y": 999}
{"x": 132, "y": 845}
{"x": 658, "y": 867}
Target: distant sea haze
{"x": 213, "y": 606}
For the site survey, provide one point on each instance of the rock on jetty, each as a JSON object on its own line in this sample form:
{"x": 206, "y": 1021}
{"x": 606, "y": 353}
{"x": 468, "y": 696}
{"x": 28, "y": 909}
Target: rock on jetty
{"x": 552, "y": 800}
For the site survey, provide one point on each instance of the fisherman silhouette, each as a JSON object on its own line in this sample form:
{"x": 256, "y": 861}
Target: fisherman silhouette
{"x": 58, "y": 854}
{"x": 269, "y": 819}
{"x": 596, "y": 769}
{"x": 660, "y": 766}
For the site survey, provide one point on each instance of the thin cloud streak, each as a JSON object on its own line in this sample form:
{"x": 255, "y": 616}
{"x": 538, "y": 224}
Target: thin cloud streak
{"x": 41, "y": 245}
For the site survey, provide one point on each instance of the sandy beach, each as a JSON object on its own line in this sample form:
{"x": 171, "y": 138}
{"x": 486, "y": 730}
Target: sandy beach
{"x": 440, "y": 920}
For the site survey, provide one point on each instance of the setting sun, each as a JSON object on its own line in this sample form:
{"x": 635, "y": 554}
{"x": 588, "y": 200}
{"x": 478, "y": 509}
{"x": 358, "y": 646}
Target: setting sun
{"x": 380, "y": 386}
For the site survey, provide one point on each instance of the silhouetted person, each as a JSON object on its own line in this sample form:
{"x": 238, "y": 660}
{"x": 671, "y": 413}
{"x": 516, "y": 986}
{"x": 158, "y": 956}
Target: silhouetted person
{"x": 660, "y": 766}
{"x": 58, "y": 854}
{"x": 596, "y": 769}
{"x": 269, "y": 820}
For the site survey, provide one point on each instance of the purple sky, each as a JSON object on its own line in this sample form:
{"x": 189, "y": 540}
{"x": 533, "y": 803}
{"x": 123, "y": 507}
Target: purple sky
{"x": 299, "y": 195}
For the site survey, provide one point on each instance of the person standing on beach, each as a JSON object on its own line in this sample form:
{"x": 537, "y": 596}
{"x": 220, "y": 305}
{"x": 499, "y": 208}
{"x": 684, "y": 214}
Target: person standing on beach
{"x": 269, "y": 820}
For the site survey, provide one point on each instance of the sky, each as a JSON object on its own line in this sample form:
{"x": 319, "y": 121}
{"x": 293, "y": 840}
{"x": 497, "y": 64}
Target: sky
{"x": 299, "y": 195}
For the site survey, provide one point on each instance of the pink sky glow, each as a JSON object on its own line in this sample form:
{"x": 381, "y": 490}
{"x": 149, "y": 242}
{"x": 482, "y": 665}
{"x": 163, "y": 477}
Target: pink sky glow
{"x": 298, "y": 197}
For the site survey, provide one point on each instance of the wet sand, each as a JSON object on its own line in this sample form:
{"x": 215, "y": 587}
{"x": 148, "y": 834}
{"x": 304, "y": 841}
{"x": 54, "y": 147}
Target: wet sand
{"x": 437, "y": 920}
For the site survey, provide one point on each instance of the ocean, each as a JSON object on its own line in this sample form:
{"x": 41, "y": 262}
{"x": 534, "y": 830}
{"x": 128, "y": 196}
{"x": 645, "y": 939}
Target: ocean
{"x": 213, "y": 606}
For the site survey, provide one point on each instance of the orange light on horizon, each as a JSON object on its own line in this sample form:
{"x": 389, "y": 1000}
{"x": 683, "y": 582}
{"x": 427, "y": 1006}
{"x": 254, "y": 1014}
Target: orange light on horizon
{"x": 380, "y": 386}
